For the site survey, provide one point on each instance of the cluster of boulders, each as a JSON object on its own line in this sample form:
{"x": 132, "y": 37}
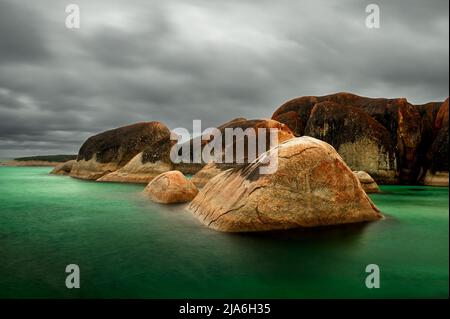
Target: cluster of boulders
{"x": 392, "y": 140}
{"x": 332, "y": 151}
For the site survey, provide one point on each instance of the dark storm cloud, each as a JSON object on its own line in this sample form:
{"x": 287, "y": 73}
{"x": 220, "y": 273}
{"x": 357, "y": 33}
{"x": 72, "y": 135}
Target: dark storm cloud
{"x": 176, "y": 61}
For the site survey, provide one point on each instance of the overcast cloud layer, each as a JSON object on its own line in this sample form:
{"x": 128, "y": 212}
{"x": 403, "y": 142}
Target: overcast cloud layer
{"x": 175, "y": 61}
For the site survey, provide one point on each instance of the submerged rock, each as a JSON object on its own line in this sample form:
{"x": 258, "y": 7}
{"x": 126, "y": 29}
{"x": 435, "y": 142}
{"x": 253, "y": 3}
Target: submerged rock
{"x": 171, "y": 187}
{"x": 108, "y": 151}
{"x": 367, "y": 182}
{"x": 311, "y": 187}
{"x": 63, "y": 168}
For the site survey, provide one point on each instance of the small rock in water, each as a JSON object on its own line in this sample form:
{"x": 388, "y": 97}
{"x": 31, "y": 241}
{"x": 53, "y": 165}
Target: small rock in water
{"x": 171, "y": 187}
{"x": 367, "y": 182}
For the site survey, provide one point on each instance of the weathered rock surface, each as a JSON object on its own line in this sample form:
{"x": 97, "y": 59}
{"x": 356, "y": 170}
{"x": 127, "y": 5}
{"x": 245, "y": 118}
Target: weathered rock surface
{"x": 145, "y": 166}
{"x": 138, "y": 171}
{"x": 108, "y": 151}
{"x": 208, "y": 172}
{"x": 367, "y": 182}
{"x": 363, "y": 143}
{"x": 411, "y": 128}
{"x": 436, "y": 179}
{"x": 212, "y": 169}
{"x": 312, "y": 187}
{"x": 437, "y": 172}
{"x": 155, "y": 159}
{"x": 63, "y": 168}
{"x": 171, "y": 187}
{"x": 284, "y": 133}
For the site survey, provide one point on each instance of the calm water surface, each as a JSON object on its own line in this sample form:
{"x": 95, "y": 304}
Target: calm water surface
{"x": 128, "y": 247}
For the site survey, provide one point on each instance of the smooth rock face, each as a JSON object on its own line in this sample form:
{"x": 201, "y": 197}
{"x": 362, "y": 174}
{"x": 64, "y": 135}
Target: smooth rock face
{"x": 367, "y": 182}
{"x": 312, "y": 187}
{"x": 410, "y": 127}
{"x": 108, "y": 151}
{"x": 63, "y": 168}
{"x": 171, "y": 187}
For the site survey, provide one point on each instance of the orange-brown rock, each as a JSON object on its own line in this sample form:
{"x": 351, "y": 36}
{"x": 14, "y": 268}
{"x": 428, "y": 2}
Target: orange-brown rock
{"x": 208, "y": 172}
{"x": 363, "y": 143}
{"x": 311, "y": 187}
{"x": 442, "y": 116}
{"x": 412, "y": 128}
{"x": 438, "y": 153}
{"x": 108, "y": 151}
{"x": 171, "y": 187}
{"x": 63, "y": 168}
{"x": 367, "y": 182}
{"x": 436, "y": 178}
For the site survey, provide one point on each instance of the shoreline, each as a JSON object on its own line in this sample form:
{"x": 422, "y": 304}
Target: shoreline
{"x": 31, "y": 163}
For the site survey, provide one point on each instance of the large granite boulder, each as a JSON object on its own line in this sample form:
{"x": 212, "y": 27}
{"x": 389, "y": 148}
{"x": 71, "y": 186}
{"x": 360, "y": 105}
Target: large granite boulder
{"x": 409, "y": 126}
{"x": 63, "y": 168}
{"x": 437, "y": 172}
{"x": 170, "y": 188}
{"x": 363, "y": 143}
{"x": 108, "y": 151}
{"x": 311, "y": 187}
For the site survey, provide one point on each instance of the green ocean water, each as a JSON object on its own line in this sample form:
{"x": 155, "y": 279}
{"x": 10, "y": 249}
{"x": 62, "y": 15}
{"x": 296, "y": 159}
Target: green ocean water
{"x": 128, "y": 247}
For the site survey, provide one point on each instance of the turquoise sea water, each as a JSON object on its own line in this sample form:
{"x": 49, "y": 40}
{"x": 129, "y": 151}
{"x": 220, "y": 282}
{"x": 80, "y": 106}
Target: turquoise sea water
{"x": 128, "y": 247}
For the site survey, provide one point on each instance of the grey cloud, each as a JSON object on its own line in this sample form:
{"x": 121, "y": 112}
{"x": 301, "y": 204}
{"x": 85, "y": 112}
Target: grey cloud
{"x": 176, "y": 61}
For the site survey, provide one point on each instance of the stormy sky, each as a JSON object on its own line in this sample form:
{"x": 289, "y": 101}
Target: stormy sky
{"x": 175, "y": 61}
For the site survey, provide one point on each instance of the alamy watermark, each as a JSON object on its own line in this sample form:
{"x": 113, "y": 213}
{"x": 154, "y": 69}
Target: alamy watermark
{"x": 373, "y": 279}
{"x": 73, "y": 279}
{"x": 373, "y": 16}
{"x": 73, "y": 16}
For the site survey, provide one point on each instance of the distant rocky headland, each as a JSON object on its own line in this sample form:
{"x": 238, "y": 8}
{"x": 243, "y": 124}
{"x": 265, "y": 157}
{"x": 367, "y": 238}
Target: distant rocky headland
{"x": 44, "y": 160}
{"x": 333, "y": 150}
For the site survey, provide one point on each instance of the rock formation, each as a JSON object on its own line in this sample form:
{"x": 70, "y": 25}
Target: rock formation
{"x": 437, "y": 170}
{"x": 155, "y": 159}
{"x": 410, "y": 128}
{"x": 312, "y": 187}
{"x": 367, "y": 182}
{"x": 208, "y": 172}
{"x": 363, "y": 143}
{"x": 108, "y": 151}
{"x": 63, "y": 168}
{"x": 145, "y": 166}
{"x": 171, "y": 187}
